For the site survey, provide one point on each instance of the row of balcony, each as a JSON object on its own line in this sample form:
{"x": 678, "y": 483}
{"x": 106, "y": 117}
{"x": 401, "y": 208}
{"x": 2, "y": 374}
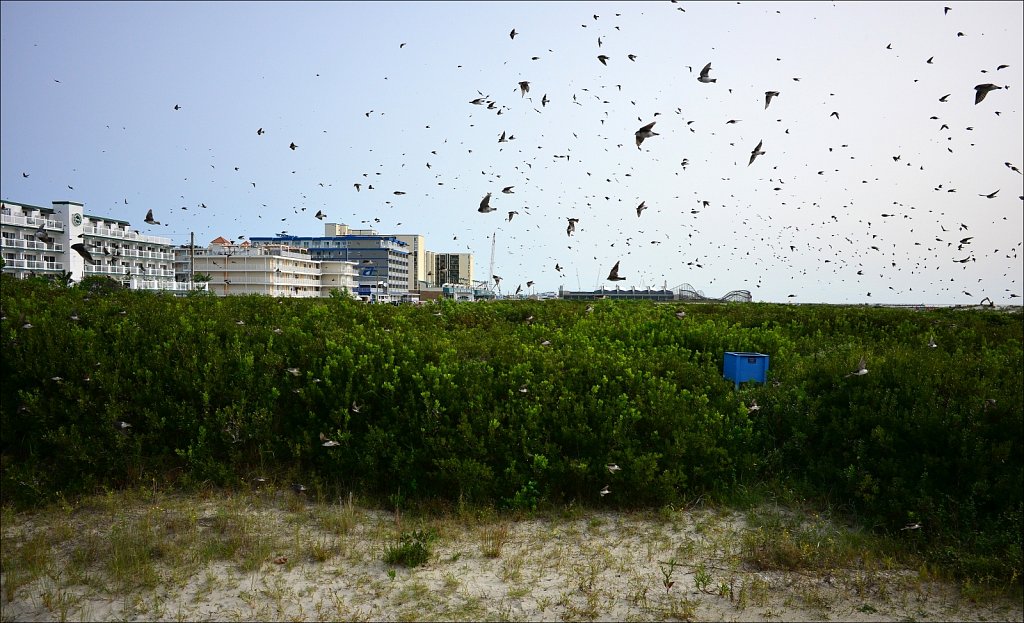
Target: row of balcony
{"x": 122, "y": 234}
{"x": 30, "y": 221}
{"x": 100, "y": 269}
{"x": 35, "y": 245}
{"x": 32, "y": 265}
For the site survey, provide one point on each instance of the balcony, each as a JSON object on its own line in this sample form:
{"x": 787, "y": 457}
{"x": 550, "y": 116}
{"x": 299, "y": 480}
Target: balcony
{"x": 121, "y": 234}
{"x": 33, "y": 265}
{"x": 14, "y": 243}
{"x": 30, "y": 221}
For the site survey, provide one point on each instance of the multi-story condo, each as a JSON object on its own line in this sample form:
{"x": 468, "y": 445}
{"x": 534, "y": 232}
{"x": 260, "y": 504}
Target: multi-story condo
{"x": 271, "y": 269}
{"x": 136, "y": 260}
{"x": 383, "y": 261}
{"x": 443, "y": 268}
{"x": 417, "y": 259}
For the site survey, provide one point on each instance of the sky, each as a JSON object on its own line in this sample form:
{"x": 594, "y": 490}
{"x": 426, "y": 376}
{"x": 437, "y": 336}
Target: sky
{"x": 873, "y": 186}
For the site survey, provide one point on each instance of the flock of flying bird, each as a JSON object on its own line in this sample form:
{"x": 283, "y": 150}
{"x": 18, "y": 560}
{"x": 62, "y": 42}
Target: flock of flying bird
{"x": 816, "y": 237}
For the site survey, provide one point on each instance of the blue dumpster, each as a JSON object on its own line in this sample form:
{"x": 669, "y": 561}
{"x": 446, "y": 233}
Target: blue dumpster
{"x": 739, "y": 367}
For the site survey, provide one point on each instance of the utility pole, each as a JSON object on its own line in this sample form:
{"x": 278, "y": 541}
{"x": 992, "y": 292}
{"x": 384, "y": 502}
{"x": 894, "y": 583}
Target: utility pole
{"x": 192, "y": 262}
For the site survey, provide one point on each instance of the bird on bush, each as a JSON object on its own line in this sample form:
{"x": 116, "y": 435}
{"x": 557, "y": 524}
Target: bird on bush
{"x": 328, "y": 443}
{"x": 605, "y": 491}
{"x": 753, "y": 407}
{"x": 612, "y": 467}
{"x": 912, "y": 526}
{"x": 299, "y": 489}
{"x": 122, "y": 426}
{"x": 680, "y": 314}
{"x": 355, "y": 407}
{"x": 931, "y": 343}
{"x": 294, "y": 371}
{"x": 862, "y": 368}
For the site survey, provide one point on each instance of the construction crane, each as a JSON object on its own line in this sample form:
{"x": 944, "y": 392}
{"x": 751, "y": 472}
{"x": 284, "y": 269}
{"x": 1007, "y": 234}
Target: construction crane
{"x": 490, "y": 271}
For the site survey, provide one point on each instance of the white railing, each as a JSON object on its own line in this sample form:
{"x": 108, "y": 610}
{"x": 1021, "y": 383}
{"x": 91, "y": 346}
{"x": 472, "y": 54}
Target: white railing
{"x": 175, "y": 286}
{"x": 34, "y": 265}
{"x": 15, "y": 243}
{"x": 31, "y": 221}
{"x": 122, "y": 234}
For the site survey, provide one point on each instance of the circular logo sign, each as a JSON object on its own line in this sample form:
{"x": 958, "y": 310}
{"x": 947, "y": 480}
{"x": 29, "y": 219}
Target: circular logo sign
{"x": 76, "y": 219}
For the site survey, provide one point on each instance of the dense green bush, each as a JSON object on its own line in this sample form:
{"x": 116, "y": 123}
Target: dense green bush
{"x": 522, "y": 403}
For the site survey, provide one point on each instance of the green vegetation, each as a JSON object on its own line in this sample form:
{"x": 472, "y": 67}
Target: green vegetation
{"x": 471, "y": 406}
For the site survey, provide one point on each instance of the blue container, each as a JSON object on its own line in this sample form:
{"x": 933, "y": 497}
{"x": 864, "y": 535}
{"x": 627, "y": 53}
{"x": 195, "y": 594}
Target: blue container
{"x": 739, "y": 367}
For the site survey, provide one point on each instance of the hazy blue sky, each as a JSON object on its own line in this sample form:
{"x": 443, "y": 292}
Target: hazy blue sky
{"x": 88, "y": 94}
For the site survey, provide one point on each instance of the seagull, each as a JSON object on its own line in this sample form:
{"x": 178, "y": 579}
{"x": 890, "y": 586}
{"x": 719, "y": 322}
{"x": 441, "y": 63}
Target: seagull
{"x": 614, "y": 274}
{"x": 80, "y": 247}
{"x": 327, "y": 443}
{"x": 485, "y": 204}
{"x": 982, "y": 90}
{"x": 862, "y": 368}
{"x": 768, "y": 95}
{"x": 704, "y": 75}
{"x": 645, "y": 132}
{"x": 149, "y": 218}
{"x": 612, "y": 467}
{"x": 757, "y": 152}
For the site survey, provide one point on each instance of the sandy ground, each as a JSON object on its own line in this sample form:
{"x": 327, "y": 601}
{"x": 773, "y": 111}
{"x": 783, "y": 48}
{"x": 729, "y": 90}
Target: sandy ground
{"x": 584, "y": 565}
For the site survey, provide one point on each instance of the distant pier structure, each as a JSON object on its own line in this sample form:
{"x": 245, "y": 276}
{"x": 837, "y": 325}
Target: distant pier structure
{"x": 684, "y": 292}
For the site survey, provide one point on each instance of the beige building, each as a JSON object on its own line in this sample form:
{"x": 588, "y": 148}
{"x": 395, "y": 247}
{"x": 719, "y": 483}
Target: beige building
{"x": 445, "y": 268}
{"x": 136, "y": 260}
{"x": 270, "y": 269}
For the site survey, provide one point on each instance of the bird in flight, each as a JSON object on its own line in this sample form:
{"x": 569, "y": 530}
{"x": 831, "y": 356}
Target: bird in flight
{"x": 640, "y": 208}
{"x": 991, "y": 195}
{"x": 614, "y": 274}
{"x": 80, "y": 248}
{"x": 259, "y": 132}
{"x": 524, "y": 88}
{"x": 982, "y": 90}
{"x": 571, "y": 228}
{"x": 757, "y": 152}
{"x": 862, "y": 368}
{"x": 512, "y": 35}
{"x": 603, "y": 59}
{"x": 645, "y": 133}
{"x": 292, "y": 146}
{"x": 703, "y": 77}
{"x": 41, "y": 234}
{"x": 768, "y": 95}
{"x": 149, "y": 218}
{"x": 485, "y": 204}
{"x": 320, "y": 215}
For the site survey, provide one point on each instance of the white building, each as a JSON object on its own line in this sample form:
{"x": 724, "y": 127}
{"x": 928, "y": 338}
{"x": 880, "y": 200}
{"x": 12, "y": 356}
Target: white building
{"x": 137, "y": 261}
{"x": 270, "y": 269}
